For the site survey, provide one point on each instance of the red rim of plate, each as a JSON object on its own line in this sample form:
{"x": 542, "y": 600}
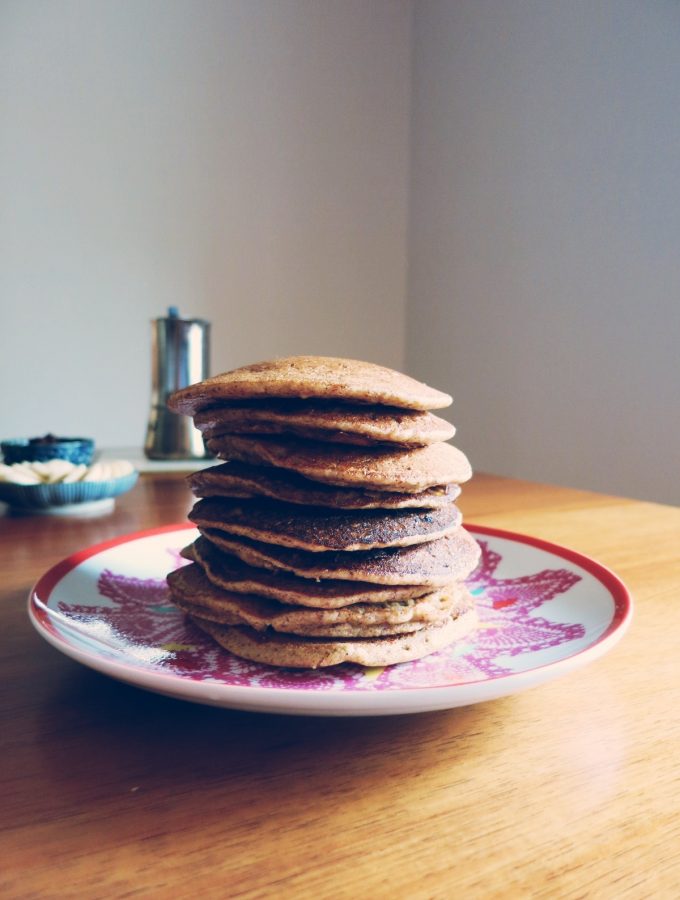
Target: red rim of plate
{"x": 41, "y": 619}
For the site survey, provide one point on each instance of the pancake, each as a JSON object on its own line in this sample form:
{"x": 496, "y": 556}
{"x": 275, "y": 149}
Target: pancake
{"x": 326, "y": 631}
{"x": 232, "y": 574}
{"x": 437, "y": 563}
{"x": 306, "y": 377}
{"x": 376, "y": 469}
{"x": 317, "y": 530}
{"x": 194, "y": 593}
{"x": 334, "y": 422}
{"x": 236, "y": 479}
{"x": 276, "y": 649}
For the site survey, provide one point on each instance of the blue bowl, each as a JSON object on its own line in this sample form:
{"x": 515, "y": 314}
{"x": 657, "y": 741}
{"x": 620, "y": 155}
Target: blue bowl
{"x": 76, "y": 450}
{"x": 45, "y": 496}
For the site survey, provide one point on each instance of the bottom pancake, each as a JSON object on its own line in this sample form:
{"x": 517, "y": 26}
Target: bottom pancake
{"x": 291, "y": 651}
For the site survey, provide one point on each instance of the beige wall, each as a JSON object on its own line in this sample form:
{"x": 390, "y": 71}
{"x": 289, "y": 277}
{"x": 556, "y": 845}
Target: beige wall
{"x": 245, "y": 160}
{"x": 248, "y": 160}
{"x": 544, "y": 239}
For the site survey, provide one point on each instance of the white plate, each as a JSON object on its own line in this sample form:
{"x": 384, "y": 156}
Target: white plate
{"x": 544, "y": 610}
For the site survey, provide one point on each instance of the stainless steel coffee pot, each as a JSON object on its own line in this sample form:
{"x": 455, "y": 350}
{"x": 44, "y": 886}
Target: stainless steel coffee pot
{"x": 180, "y": 355}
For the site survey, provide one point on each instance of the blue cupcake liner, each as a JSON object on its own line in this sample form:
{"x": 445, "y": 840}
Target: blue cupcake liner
{"x": 42, "y": 496}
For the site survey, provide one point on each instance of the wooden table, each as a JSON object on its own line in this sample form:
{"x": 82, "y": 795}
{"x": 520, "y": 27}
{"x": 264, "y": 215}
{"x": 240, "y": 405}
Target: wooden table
{"x": 569, "y": 790}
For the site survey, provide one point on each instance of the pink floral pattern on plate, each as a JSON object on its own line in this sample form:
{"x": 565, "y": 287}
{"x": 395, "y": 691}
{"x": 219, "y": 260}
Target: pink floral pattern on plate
{"x": 141, "y": 626}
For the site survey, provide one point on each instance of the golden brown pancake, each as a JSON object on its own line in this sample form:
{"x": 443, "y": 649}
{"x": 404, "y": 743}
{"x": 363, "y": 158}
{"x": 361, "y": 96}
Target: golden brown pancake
{"x": 293, "y": 651}
{"x": 236, "y": 479}
{"x": 194, "y": 593}
{"x": 333, "y": 632}
{"x": 317, "y": 529}
{"x": 306, "y": 377}
{"x": 376, "y": 469}
{"x": 437, "y": 563}
{"x": 232, "y": 574}
{"x": 334, "y": 422}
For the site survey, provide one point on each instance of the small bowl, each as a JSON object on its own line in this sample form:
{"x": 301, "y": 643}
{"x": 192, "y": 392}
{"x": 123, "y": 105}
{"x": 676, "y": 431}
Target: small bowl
{"x": 46, "y": 496}
{"x": 75, "y": 450}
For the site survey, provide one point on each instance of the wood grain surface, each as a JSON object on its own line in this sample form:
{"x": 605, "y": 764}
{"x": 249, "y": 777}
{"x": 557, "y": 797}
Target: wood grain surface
{"x": 569, "y": 790}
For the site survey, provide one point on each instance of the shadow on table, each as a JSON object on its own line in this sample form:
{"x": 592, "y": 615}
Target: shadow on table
{"x": 103, "y": 743}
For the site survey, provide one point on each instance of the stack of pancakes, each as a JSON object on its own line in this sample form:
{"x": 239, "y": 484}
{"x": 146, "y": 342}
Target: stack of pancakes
{"x": 330, "y": 535}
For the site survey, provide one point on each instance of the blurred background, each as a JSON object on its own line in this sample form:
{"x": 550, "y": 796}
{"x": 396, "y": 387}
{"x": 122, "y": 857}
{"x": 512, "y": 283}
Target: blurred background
{"x": 484, "y": 193}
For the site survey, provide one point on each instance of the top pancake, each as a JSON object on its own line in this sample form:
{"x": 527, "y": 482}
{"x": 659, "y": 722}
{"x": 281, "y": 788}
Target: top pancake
{"x": 379, "y": 469}
{"x": 335, "y": 422}
{"x": 308, "y": 377}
